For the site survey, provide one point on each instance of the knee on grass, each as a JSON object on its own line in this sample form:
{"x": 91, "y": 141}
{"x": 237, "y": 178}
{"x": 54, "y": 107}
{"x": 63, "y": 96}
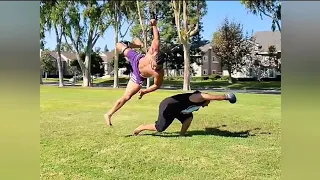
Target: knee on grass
{"x": 159, "y": 128}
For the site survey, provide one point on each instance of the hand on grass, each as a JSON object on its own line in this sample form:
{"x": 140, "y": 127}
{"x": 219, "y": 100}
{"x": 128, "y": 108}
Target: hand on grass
{"x": 141, "y": 93}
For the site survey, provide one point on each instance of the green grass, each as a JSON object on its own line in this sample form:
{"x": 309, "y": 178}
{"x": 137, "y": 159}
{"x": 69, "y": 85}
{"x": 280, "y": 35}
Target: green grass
{"x": 208, "y": 83}
{"x": 76, "y": 144}
{"x": 194, "y": 84}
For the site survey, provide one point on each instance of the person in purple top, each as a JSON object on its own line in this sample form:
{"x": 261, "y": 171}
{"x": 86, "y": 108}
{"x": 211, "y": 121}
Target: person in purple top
{"x": 143, "y": 66}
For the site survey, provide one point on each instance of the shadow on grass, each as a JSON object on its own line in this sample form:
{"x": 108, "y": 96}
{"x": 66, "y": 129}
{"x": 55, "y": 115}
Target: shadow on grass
{"x": 213, "y": 131}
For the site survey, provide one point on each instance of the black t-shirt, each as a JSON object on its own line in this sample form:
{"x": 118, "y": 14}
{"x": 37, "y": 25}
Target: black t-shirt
{"x": 180, "y": 103}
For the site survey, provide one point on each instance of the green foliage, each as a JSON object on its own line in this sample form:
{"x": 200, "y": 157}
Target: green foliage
{"x": 122, "y": 63}
{"x": 174, "y": 56}
{"x": 47, "y": 62}
{"x": 269, "y": 8}
{"x": 231, "y": 45}
{"x": 96, "y": 63}
{"x": 274, "y": 58}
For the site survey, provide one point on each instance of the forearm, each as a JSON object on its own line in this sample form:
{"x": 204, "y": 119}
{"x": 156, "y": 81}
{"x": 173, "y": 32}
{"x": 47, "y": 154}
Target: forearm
{"x": 151, "y": 88}
{"x": 211, "y": 97}
{"x": 156, "y": 35}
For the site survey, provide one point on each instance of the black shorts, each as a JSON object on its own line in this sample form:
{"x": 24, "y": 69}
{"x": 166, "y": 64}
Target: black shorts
{"x": 166, "y": 117}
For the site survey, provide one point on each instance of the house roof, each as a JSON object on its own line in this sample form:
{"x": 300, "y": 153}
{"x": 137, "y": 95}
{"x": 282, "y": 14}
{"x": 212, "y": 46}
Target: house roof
{"x": 107, "y": 56}
{"x": 69, "y": 55}
{"x": 268, "y": 38}
{"x": 206, "y": 47}
{"x": 54, "y": 54}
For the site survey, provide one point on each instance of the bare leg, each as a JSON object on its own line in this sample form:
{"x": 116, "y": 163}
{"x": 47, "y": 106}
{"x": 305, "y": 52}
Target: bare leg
{"x": 185, "y": 126}
{"x": 136, "y": 43}
{"x": 132, "y": 89}
{"x": 149, "y": 127}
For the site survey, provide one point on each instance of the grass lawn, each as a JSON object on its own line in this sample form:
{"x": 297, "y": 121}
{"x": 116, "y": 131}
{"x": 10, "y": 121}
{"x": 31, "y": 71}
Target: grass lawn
{"x": 229, "y": 141}
{"x": 209, "y": 83}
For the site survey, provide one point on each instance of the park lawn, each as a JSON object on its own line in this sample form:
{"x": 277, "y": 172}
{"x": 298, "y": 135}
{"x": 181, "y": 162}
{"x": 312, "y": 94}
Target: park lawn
{"x": 207, "y": 83}
{"x": 194, "y": 84}
{"x": 76, "y": 144}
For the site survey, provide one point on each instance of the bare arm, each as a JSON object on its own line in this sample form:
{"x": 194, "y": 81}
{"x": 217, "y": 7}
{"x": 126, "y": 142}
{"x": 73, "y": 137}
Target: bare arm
{"x": 199, "y": 97}
{"x": 156, "y": 39}
{"x": 158, "y": 80}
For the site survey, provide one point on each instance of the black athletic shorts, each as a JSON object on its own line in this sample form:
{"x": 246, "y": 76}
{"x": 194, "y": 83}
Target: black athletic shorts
{"x": 167, "y": 115}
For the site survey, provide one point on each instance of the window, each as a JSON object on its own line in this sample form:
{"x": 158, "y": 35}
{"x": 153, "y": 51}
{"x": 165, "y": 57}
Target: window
{"x": 214, "y": 60}
{"x": 205, "y": 72}
{"x": 204, "y": 58}
{"x": 213, "y": 72}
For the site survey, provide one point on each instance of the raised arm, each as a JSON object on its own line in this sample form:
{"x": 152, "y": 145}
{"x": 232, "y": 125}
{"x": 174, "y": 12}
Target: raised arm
{"x": 156, "y": 38}
{"x": 158, "y": 80}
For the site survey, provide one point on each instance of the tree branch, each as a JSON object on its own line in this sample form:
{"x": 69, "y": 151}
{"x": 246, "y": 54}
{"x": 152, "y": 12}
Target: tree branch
{"x": 185, "y": 17}
{"x": 95, "y": 38}
{"x": 195, "y": 30}
{"x": 127, "y": 28}
{"x": 65, "y": 39}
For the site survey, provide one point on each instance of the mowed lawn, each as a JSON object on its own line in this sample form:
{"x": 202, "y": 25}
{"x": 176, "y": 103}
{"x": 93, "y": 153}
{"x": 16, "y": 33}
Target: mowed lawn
{"x": 227, "y": 141}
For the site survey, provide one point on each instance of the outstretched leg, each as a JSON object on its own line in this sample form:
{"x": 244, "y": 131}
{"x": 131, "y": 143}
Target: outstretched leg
{"x": 131, "y": 90}
{"x": 163, "y": 122}
{"x": 125, "y": 46}
{"x": 148, "y": 127}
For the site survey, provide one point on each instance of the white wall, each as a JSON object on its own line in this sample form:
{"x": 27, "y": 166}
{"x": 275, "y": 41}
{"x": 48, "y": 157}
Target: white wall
{"x": 197, "y": 69}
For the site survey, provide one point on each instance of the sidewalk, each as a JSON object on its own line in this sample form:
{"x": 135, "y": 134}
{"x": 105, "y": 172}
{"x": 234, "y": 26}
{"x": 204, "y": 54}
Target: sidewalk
{"x": 168, "y": 87}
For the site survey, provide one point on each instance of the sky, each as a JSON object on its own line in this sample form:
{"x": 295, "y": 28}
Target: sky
{"x": 216, "y": 12}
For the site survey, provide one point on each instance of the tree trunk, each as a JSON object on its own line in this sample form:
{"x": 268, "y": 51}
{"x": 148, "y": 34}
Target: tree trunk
{"x": 60, "y": 70}
{"x": 41, "y": 81}
{"x": 230, "y": 78}
{"x": 116, "y": 54}
{"x": 86, "y": 75}
{"x": 186, "y": 75}
{"x": 46, "y": 75}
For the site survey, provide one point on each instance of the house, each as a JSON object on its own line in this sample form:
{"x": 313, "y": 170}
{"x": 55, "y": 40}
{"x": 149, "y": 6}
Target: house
{"x": 66, "y": 58}
{"x": 107, "y": 58}
{"x": 263, "y": 40}
{"x": 210, "y": 63}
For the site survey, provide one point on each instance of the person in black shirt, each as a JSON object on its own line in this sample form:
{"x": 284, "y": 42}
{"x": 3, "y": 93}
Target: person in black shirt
{"x": 182, "y": 106}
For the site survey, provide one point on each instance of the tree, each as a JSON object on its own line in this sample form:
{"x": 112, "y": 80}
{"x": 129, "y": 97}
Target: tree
{"x": 119, "y": 11}
{"x": 96, "y": 63}
{"x": 87, "y": 22}
{"x": 47, "y": 63}
{"x": 269, "y": 8}
{"x": 123, "y": 63}
{"x": 231, "y": 46}
{"x": 192, "y": 11}
{"x": 64, "y": 47}
{"x": 174, "y": 56}
{"x": 42, "y": 37}
{"x": 274, "y": 58}
{"x": 52, "y": 16}
{"x": 143, "y": 20}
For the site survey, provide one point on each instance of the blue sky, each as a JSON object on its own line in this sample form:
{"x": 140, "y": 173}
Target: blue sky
{"x": 217, "y": 11}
